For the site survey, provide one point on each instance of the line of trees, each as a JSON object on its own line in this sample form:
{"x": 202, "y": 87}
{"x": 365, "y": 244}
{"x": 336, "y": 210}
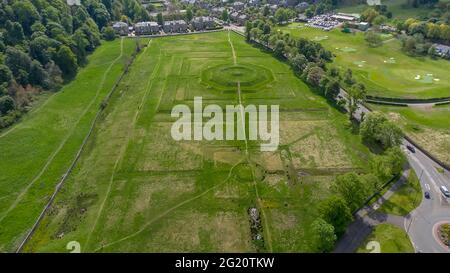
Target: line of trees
{"x": 308, "y": 60}
{"x": 43, "y": 43}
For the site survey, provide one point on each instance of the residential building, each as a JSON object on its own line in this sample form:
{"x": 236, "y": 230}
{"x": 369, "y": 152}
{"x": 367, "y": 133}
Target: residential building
{"x": 202, "y": 23}
{"x": 302, "y": 6}
{"x": 238, "y": 6}
{"x": 217, "y": 12}
{"x": 241, "y": 19}
{"x": 176, "y": 26}
{"x": 234, "y": 16}
{"x": 121, "y": 28}
{"x": 146, "y": 28}
{"x": 254, "y": 3}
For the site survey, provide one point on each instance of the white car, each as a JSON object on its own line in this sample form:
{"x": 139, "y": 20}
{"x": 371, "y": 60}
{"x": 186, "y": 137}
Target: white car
{"x": 445, "y": 191}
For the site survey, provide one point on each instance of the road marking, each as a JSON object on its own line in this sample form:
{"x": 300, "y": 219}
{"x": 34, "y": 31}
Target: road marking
{"x": 425, "y": 172}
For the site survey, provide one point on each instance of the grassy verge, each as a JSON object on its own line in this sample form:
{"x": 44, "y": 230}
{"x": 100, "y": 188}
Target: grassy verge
{"x": 391, "y": 238}
{"x": 423, "y": 124}
{"x": 407, "y": 197}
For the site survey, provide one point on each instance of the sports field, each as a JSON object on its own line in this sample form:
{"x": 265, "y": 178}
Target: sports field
{"x": 36, "y": 151}
{"x": 137, "y": 189}
{"x": 386, "y": 70}
{"x": 397, "y": 8}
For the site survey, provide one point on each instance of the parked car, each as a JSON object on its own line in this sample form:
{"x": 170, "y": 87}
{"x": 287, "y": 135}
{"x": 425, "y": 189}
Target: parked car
{"x": 445, "y": 191}
{"x": 427, "y": 195}
{"x": 411, "y": 148}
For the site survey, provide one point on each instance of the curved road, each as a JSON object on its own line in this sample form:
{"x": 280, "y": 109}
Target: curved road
{"x": 419, "y": 225}
{"x": 422, "y": 220}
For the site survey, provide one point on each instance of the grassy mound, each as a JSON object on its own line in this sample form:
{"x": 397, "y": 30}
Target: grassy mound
{"x": 226, "y": 76}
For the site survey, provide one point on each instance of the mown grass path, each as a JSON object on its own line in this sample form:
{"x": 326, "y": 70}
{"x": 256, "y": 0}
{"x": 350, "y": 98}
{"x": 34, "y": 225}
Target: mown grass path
{"x": 47, "y": 139}
{"x": 126, "y": 142}
{"x": 255, "y": 185}
{"x": 63, "y": 142}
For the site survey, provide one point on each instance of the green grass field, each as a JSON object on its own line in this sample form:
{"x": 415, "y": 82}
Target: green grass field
{"x": 424, "y": 124}
{"x": 37, "y": 151}
{"x": 391, "y": 238}
{"x": 136, "y": 189}
{"x": 385, "y": 70}
{"x": 395, "y": 6}
{"x": 406, "y": 198}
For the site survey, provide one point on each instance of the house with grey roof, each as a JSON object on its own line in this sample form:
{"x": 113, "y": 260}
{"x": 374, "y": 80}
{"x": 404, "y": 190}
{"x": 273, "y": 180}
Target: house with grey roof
{"x": 241, "y": 19}
{"x": 217, "y": 11}
{"x": 146, "y": 28}
{"x": 202, "y": 23}
{"x": 176, "y": 26}
{"x": 254, "y": 3}
{"x": 238, "y": 6}
{"x": 234, "y": 16}
{"x": 302, "y": 6}
{"x": 120, "y": 28}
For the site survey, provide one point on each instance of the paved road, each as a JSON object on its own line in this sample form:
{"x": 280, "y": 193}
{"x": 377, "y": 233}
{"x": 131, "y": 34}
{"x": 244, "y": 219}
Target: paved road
{"x": 366, "y": 218}
{"x": 419, "y": 225}
{"x": 430, "y": 211}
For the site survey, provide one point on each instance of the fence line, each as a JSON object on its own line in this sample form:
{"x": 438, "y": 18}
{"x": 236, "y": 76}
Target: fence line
{"x": 77, "y": 156}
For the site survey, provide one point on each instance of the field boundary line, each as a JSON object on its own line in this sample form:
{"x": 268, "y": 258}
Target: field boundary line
{"x": 77, "y": 156}
{"x": 124, "y": 147}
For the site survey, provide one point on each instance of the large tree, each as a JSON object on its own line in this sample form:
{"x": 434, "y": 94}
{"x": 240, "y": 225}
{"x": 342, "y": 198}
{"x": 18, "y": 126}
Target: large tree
{"x": 352, "y": 188}
{"x": 373, "y": 38}
{"x": 323, "y": 236}
{"x": 377, "y": 128}
{"x": 67, "y": 61}
{"x": 356, "y": 96}
{"x": 335, "y": 211}
{"x": 26, "y": 14}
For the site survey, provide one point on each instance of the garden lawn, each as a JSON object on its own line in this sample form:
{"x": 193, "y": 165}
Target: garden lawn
{"x": 407, "y": 197}
{"x": 391, "y": 238}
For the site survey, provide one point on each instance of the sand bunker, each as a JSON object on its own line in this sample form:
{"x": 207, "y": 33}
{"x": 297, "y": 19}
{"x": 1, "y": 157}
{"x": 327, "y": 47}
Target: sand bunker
{"x": 348, "y": 49}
